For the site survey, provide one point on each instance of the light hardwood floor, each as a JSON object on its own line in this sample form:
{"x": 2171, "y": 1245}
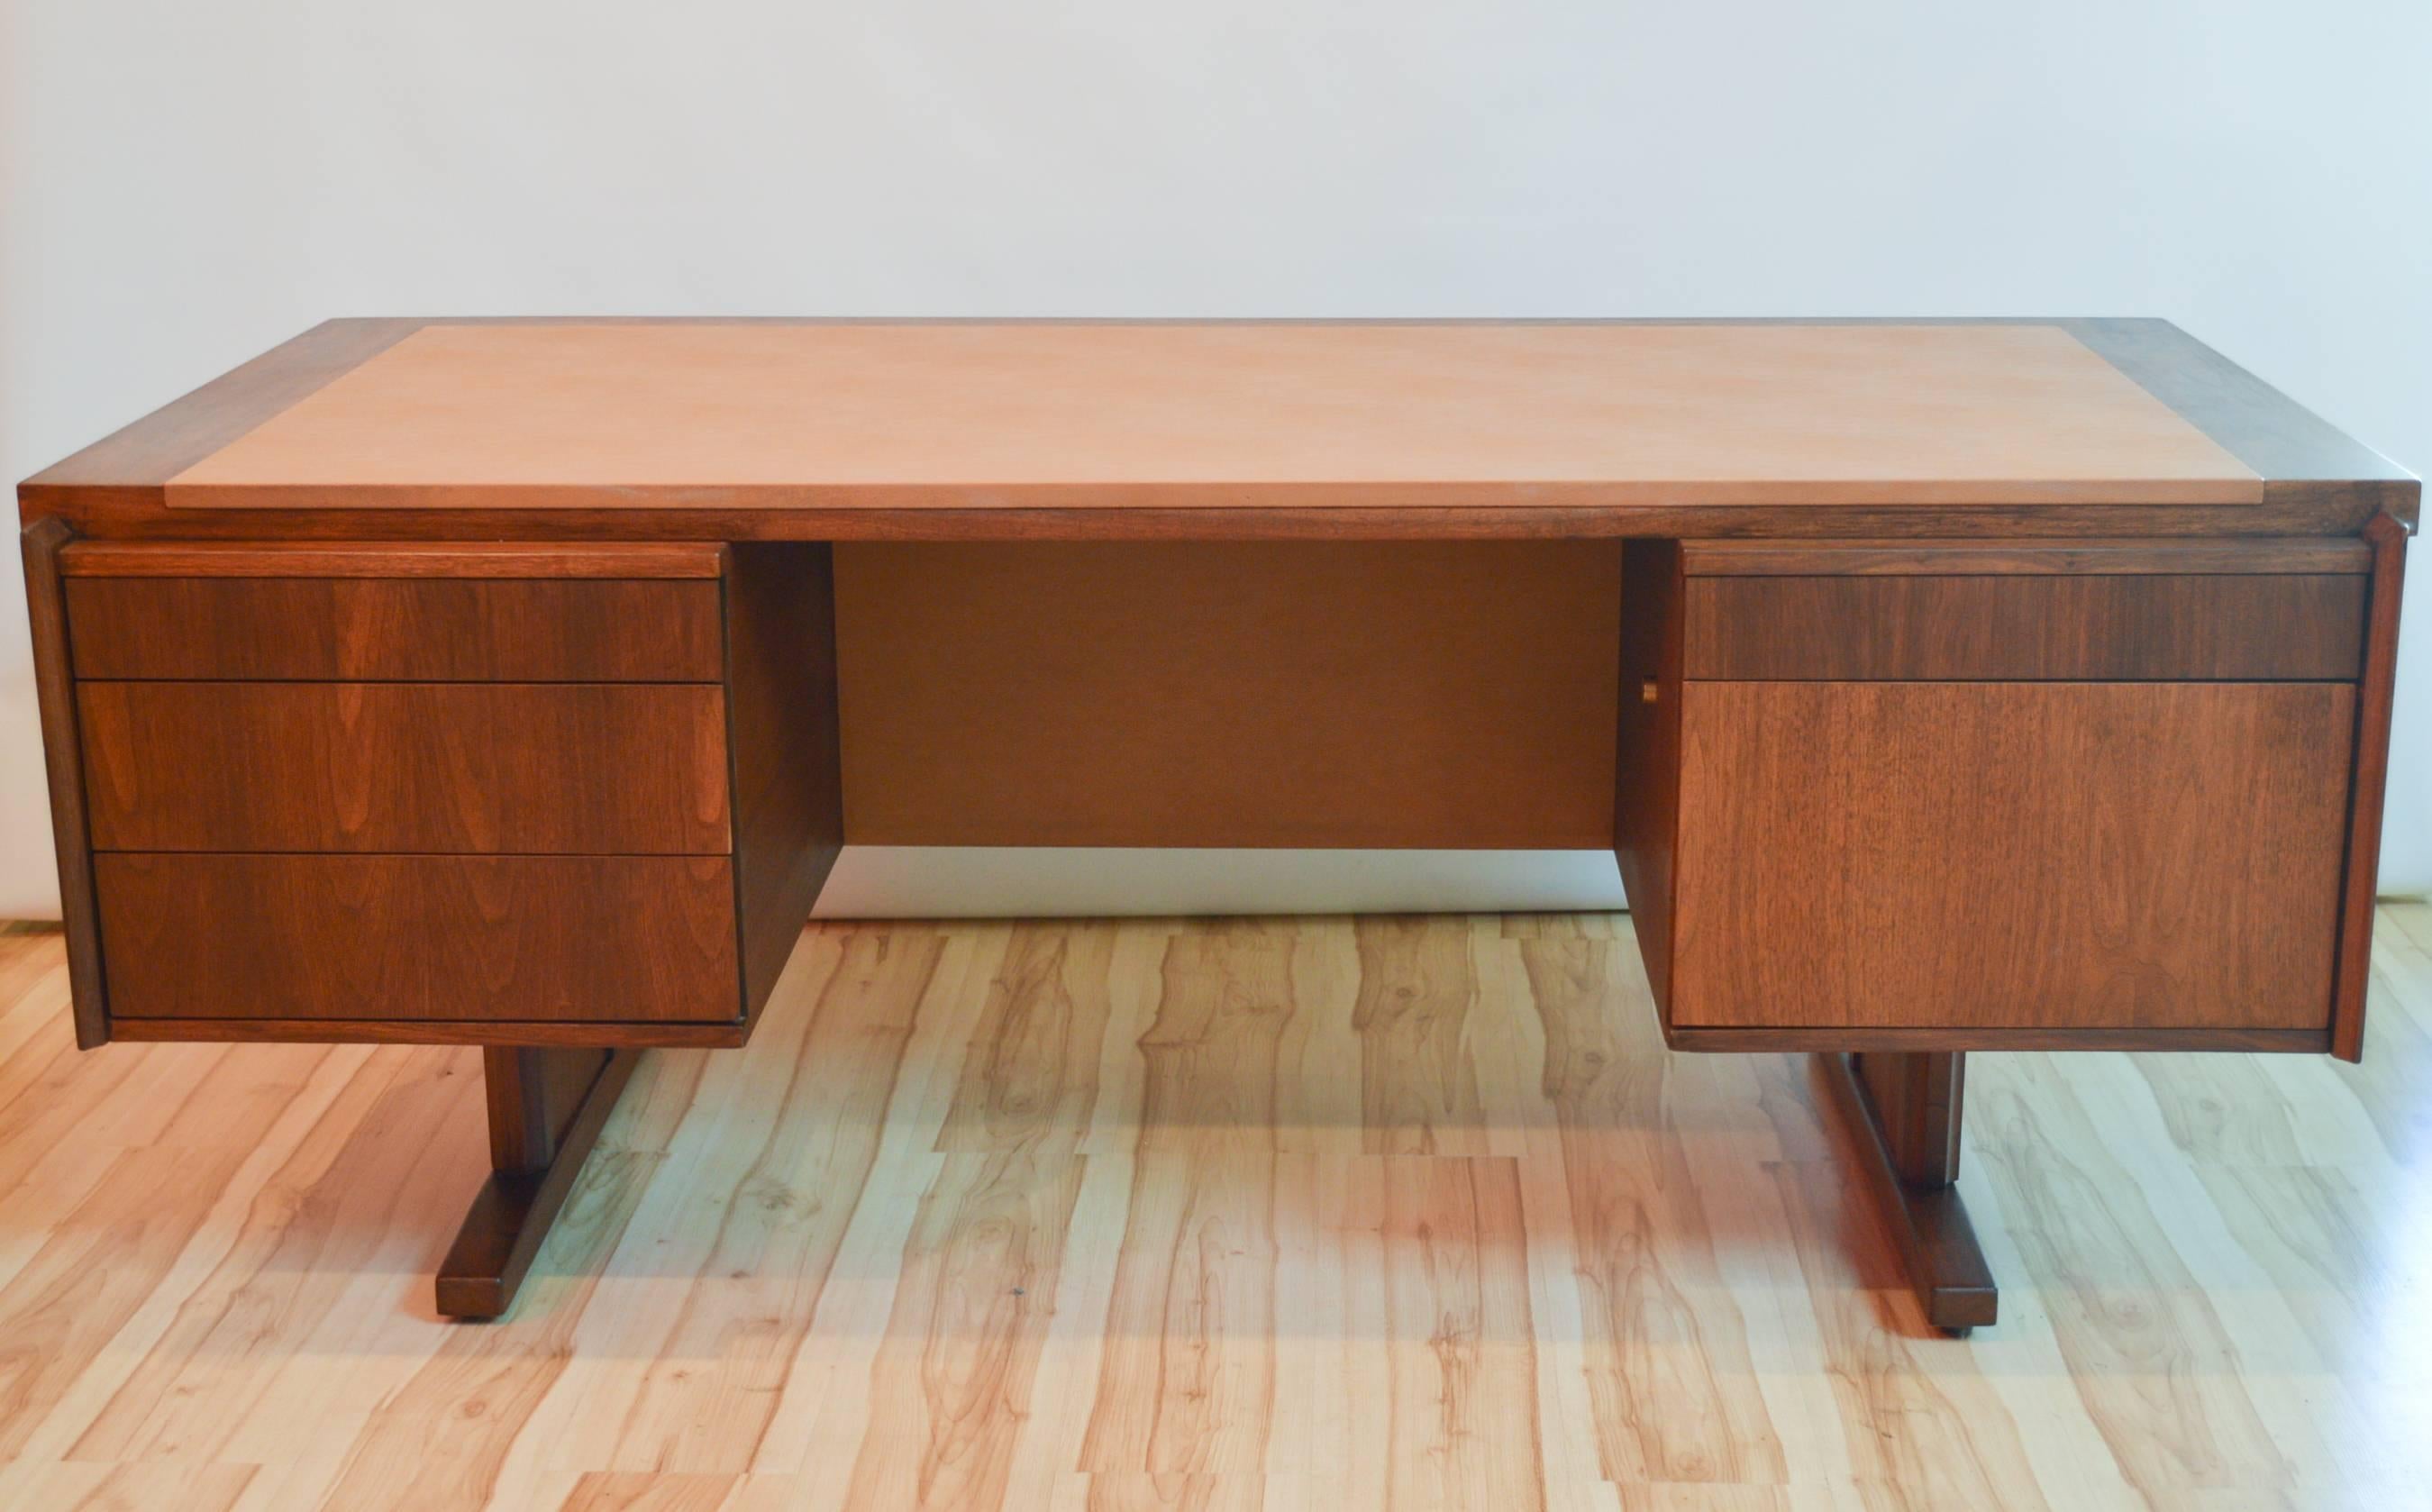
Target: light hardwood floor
{"x": 1331, "y": 1214}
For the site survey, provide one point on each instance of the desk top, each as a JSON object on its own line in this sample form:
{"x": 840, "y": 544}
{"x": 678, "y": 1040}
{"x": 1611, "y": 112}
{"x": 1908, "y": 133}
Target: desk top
{"x": 1104, "y": 429}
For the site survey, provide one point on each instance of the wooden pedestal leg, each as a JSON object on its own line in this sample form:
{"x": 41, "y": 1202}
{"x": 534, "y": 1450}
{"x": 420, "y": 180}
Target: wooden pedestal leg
{"x": 1905, "y": 1108}
{"x": 546, "y": 1107}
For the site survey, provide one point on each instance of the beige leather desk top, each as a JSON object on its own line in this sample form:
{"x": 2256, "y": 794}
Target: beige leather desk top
{"x": 677, "y": 414}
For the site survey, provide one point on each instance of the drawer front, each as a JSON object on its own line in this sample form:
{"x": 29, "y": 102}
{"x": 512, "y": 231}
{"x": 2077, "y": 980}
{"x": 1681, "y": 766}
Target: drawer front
{"x": 402, "y": 628}
{"x": 2007, "y": 855}
{"x": 585, "y": 939}
{"x": 405, "y": 766}
{"x": 2163, "y": 627}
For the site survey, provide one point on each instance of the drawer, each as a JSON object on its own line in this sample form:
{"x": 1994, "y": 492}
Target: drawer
{"x": 396, "y": 629}
{"x": 405, "y": 766}
{"x": 2025, "y": 626}
{"x": 583, "y": 939}
{"x": 2009, "y": 856}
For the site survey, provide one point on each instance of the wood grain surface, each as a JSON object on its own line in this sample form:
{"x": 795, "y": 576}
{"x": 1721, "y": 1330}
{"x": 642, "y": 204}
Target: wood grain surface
{"x": 2290, "y": 447}
{"x": 1919, "y": 1103}
{"x": 505, "y": 1029}
{"x": 2376, "y": 705}
{"x": 42, "y": 543}
{"x": 1901, "y": 1113}
{"x": 406, "y": 766}
{"x": 590, "y": 939}
{"x": 396, "y": 629}
{"x": 1155, "y": 694}
{"x": 393, "y": 558}
{"x": 782, "y": 747}
{"x": 2156, "y": 626}
{"x": 1096, "y": 1215}
{"x": 1999, "y": 557}
{"x": 1090, "y": 414}
{"x": 1647, "y": 758}
{"x": 2313, "y": 480}
{"x": 2009, "y": 855}
{"x": 2324, "y": 510}
{"x": 126, "y": 468}
{"x": 545, "y": 1110}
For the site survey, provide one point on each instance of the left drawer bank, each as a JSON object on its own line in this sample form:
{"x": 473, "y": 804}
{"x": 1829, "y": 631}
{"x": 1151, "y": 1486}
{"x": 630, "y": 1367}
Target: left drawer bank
{"x": 404, "y": 791}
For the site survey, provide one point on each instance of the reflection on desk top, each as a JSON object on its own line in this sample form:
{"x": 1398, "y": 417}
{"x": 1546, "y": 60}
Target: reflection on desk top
{"x": 1214, "y": 429}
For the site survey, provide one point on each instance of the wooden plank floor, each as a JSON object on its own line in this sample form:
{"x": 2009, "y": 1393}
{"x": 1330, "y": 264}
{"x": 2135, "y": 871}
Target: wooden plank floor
{"x": 1326, "y": 1214}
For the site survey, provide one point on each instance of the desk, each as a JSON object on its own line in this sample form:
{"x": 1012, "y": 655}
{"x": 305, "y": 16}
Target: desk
{"x": 1939, "y": 687}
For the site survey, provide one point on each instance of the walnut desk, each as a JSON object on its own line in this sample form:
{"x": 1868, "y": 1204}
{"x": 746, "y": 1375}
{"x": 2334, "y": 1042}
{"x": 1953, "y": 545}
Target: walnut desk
{"x": 1939, "y": 686}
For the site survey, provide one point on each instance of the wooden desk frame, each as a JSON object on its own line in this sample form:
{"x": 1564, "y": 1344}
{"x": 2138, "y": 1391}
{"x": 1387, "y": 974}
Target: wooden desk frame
{"x": 2242, "y": 653}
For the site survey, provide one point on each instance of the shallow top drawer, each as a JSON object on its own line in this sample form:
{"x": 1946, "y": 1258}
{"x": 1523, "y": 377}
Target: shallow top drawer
{"x": 2060, "y": 613}
{"x": 395, "y": 612}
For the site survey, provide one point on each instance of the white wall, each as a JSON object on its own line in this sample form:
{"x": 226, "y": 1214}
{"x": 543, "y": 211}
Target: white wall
{"x": 187, "y": 184}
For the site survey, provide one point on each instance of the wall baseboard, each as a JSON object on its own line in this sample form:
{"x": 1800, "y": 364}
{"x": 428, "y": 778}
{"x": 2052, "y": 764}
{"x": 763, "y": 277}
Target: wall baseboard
{"x": 987, "y": 881}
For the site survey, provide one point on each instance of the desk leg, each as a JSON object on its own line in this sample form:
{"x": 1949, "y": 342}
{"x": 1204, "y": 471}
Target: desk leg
{"x": 1904, "y": 1109}
{"x": 547, "y": 1108}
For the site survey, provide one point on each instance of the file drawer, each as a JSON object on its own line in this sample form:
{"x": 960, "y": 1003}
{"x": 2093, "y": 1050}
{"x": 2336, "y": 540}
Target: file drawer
{"x": 1900, "y": 795}
{"x": 2006, "y": 856}
{"x": 569, "y": 939}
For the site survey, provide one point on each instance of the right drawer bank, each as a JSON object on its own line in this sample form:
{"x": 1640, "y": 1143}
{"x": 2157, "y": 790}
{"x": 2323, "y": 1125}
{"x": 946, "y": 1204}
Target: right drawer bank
{"x": 1917, "y": 796}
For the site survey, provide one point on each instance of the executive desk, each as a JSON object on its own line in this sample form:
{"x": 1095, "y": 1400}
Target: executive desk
{"x": 1939, "y": 687}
